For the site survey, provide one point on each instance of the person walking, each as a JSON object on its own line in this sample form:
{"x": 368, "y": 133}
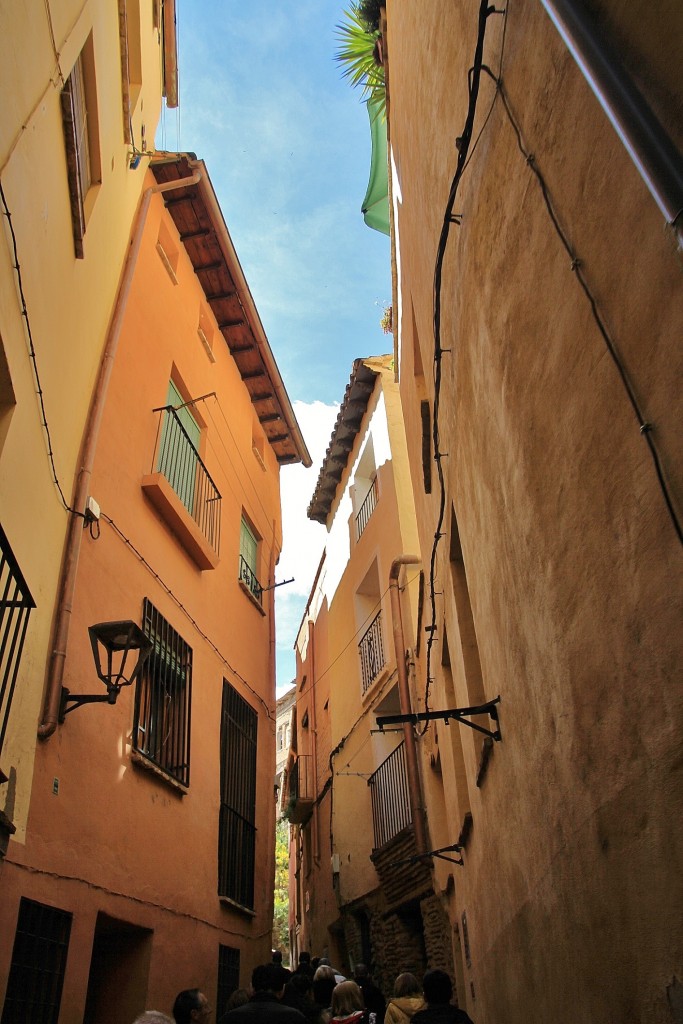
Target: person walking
{"x": 372, "y": 995}
{"x": 191, "y": 1007}
{"x": 264, "y": 1007}
{"x": 348, "y": 1005}
{"x": 438, "y": 992}
{"x": 406, "y": 1000}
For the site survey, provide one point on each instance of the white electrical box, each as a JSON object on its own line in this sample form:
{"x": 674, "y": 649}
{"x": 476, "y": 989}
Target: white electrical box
{"x": 92, "y": 510}
{"x": 334, "y": 861}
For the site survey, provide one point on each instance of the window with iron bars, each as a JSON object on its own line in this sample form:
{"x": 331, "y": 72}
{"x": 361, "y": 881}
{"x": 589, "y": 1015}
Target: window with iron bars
{"x": 36, "y": 974}
{"x": 237, "y": 828}
{"x": 228, "y": 976}
{"x": 161, "y": 729}
{"x": 16, "y": 605}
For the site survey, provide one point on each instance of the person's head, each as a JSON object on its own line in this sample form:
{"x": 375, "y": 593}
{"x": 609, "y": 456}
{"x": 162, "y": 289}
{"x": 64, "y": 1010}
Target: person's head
{"x": 361, "y": 973}
{"x": 437, "y": 987}
{"x": 301, "y": 985}
{"x": 304, "y": 958}
{"x": 268, "y": 978}
{"x": 277, "y": 957}
{"x": 346, "y": 998}
{"x": 324, "y": 982}
{"x": 152, "y": 1017}
{"x": 323, "y": 961}
{"x": 191, "y": 1007}
{"x": 238, "y": 998}
{"x": 407, "y": 985}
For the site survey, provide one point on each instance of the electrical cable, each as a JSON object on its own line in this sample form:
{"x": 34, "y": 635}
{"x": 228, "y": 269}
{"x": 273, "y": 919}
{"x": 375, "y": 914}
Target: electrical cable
{"x": 34, "y": 362}
{"x": 463, "y": 144}
{"x": 646, "y": 428}
{"x": 186, "y": 612}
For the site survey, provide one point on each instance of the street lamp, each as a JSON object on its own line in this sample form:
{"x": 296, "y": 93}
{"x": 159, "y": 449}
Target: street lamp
{"x": 112, "y": 643}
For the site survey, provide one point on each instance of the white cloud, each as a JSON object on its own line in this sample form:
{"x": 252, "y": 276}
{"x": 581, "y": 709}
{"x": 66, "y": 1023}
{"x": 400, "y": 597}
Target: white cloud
{"x": 303, "y": 540}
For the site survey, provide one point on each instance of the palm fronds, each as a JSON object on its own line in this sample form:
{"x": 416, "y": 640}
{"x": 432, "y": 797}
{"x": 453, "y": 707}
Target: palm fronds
{"x": 357, "y": 56}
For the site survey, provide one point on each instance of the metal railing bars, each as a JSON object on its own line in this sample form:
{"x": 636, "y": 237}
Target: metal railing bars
{"x": 248, "y": 577}
{"x": 371, "y": 651}
{"x": 176, "y": 456}
{"x": 300, "y": 778}
{"x": 389, "y": 796}
{"x": 16, "y": 605}
{"x": 366, "y": 509}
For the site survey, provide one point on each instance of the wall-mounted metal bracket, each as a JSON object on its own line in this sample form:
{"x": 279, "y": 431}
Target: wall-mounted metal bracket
{"x": 458, "y": 714}
{"x": 70, "y": 702}
{"x": 440, "y": 853}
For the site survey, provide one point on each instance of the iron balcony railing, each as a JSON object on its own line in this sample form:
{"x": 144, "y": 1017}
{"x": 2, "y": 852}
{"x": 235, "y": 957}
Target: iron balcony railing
{"x": 366, "y": 509}
{"x": 16, "y": 604}
{"x": 248, "y": 577}
{"x": 389, "y": 795}
{"x": 371, "y": 651}
{"x": 177, "y": 458}
{"x": 301, "y": 779}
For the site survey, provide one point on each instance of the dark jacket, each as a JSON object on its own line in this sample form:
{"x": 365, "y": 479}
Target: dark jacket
{"x": 441, "y": 1014}
{"x": 265, "y": 1008}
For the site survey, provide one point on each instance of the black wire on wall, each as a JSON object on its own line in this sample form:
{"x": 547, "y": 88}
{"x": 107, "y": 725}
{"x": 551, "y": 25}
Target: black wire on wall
{"x": 463, "y": 143}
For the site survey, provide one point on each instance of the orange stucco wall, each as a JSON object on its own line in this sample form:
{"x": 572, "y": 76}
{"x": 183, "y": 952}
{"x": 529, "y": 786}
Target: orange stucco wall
{"x": 570, "y": 886}
{"x": 116, "y": 839}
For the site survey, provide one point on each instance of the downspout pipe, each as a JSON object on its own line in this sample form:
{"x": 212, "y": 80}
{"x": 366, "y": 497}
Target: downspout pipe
{"x": 67, "y": 582}
{"x": 314, "y": 733}
{"x": 414, "y": 791}
{"x": 657, "y": 159}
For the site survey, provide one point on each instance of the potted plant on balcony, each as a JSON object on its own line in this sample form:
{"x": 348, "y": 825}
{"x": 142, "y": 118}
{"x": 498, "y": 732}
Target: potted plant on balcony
{"x": 360, "y": 51}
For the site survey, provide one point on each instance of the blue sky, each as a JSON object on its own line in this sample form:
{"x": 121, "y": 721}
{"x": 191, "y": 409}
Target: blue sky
{"x": 287, "y": 144}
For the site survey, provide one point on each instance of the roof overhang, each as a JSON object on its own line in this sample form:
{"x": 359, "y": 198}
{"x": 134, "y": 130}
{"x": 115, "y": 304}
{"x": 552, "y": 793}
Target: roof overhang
{"x": 203, "y": 232}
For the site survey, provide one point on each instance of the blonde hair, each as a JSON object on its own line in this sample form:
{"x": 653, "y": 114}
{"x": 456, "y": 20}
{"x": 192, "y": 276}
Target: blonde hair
{"x": 346, "y": 998}
{"x": 153, "y": 1017}
{"x": 407, "y": 985}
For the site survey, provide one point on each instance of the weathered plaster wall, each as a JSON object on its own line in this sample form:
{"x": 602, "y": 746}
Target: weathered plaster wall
{"x": 570, "y": 886}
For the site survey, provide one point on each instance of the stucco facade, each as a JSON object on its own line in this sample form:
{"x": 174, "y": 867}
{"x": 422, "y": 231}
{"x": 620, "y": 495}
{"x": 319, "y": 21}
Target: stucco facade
{"x": 151, "y": 824}
{"x": 55, "y": 310}
{"x": 556, "y": 374}
{"x": 347, "y": 781}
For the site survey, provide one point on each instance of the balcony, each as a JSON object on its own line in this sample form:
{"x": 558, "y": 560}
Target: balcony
{"x": 389, "y": 795}
{"x": 366, "y": 509}
{"x": 394, "y": 836}
{"x": 16, "y": 604}
{"x": 300, "y": 790}
{"x": 248, "y": 578}
{"x": 183, "y": 492}
{"x": 371, "y": 652}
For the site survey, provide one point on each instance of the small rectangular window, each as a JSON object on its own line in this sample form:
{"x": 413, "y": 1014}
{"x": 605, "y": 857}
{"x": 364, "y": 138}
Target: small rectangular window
{"x": 79, "y": 115}
{"x": 161, "y": 730}
{"x": 249, "y": 560}
{"x": 36, "y": 974}
{"x": 237, "y": 821}
{"x": 228, "y": 977}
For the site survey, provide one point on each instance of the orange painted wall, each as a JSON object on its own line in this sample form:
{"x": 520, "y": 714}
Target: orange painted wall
{"x": 116, "y": 839}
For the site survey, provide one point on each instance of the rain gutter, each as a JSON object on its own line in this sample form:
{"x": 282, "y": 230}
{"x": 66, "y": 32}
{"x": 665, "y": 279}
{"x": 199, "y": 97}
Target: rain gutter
{"x": 67, "y": 582}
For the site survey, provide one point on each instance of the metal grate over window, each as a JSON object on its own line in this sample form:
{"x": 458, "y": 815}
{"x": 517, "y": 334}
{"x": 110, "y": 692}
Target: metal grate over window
{"x": 161, "y": 729}
{"x": 237, "y": 830}
{"x": 228, "y": 976}
{"x": 36, "y": 974}
{"x": 16, "y": 604}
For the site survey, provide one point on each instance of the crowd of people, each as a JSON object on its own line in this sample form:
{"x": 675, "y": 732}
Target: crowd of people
{"x": 317, "y": 993}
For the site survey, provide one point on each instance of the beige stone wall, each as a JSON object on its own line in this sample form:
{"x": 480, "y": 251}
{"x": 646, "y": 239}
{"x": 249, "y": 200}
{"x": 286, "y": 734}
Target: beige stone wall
{"x": 572, "y": 901}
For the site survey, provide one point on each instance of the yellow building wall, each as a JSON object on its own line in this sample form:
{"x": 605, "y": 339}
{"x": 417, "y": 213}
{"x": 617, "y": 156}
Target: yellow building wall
{"x": 68, "y": 301}
{"x": 570, "y": 892}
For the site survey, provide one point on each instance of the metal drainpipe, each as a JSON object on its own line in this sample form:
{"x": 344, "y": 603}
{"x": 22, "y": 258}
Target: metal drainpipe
{"x": 653, "y": 152}
{"x": 67, "y": 583}
{"x": 414, "y": 791}
{"x": 314, "y": 745}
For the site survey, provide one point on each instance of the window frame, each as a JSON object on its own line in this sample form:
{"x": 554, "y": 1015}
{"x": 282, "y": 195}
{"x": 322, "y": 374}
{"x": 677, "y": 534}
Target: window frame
{"x": 81, "y": 139}
{"x": 163, "y": 701}
{"x": 237, "y": 812}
